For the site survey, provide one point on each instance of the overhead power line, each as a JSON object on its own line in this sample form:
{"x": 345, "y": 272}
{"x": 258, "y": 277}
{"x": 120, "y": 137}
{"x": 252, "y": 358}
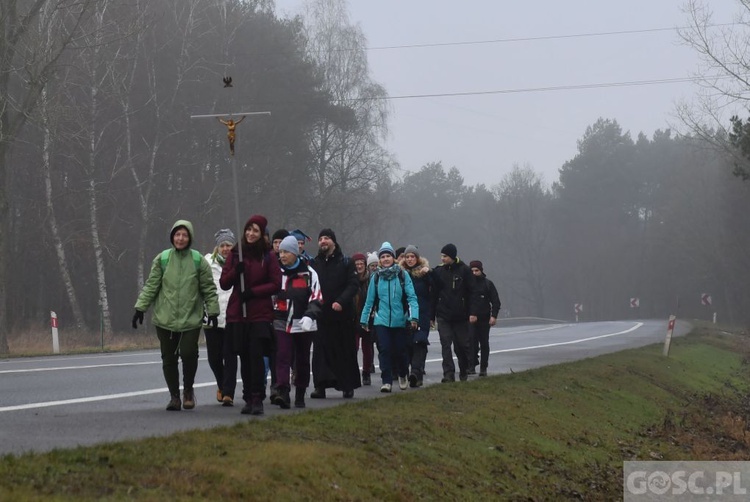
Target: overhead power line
{"x": 539, "y": 38}
{"x": 632, "y": 83}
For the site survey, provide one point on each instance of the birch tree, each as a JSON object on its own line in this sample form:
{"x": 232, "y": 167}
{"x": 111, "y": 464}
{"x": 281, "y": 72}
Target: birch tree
{"x": 25, "y": 67}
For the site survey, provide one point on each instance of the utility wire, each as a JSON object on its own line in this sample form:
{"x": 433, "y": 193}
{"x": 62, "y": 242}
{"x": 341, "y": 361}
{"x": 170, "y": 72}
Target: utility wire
{"x": 632, "y": 83}
{"x": 539, "y": 38}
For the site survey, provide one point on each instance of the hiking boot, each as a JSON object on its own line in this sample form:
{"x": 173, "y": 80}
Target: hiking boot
{"x": 254, "y": 407}
{"x": 299, "y": 397}
{"x": 188, "y": 399}
{"x": 318, "y": 393}
{"x": 448, "y": 379}
{"x": 413, "y": 380}
{"x": 463, "y": 376}
{"x": 472, "y": 371}
{"x": 348, "y": 394}
{"x": 227, "y": 401}
{"x": 283, "y": 400}
{"x": 219, "y": 396}
{"x": 386, "y": 387}
{"x": 174, "y": 404}
{"x": 402, "y": 383}
{"x": 483, "y": 372}
{"x": 366, "y": 378}
{"x": 275, "y": 397}
{"x": 419, "y": 382}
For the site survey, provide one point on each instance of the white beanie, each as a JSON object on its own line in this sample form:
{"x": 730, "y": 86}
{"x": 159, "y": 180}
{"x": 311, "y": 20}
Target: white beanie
{"x": 290, "y": 245}
{"x": 372, "y": 258}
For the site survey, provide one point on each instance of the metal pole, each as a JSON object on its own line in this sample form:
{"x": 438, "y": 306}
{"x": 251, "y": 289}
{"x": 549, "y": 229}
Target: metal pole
{"x": 233, "y": 161}
{"x": 241, "y": 232}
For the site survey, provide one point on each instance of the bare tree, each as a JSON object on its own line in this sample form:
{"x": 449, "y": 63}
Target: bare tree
{"x": 26, "y": 64}
{"x": 348, "y": 160}
{"x": 723, "y": 76}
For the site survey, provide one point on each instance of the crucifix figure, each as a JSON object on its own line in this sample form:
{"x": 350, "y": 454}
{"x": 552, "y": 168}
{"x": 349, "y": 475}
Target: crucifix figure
{"x": 231, "y": 125}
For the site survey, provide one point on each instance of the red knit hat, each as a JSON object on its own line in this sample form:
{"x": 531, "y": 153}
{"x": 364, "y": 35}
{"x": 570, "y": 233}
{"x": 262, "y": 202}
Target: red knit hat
{"x": 476, "y": 264}
{"x": 259, "y": 220}
{"x": 359, "y": 256}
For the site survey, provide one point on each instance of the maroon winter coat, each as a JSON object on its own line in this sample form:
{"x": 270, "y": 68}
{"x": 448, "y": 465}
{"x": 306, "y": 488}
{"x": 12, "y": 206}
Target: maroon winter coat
{"x": 262, "y": 277}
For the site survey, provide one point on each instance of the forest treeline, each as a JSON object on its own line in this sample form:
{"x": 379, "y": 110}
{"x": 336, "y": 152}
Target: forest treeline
{"x": 100, "y": 156}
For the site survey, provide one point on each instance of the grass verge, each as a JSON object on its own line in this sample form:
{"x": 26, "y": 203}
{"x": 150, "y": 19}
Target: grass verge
{"x": 555, "y": 433}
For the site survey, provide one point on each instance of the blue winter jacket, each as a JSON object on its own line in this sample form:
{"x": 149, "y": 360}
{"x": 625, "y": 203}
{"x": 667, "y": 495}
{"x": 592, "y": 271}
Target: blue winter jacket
{"x": 390, "y": 311}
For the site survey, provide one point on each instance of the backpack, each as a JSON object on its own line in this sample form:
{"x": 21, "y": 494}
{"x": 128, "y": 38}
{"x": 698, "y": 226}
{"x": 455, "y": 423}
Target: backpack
{"x": 165, "y": 259}
{"x": 404, "y": 301}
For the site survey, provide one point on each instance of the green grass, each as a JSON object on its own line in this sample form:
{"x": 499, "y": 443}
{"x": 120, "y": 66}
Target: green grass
{"x": 555, "y": 433}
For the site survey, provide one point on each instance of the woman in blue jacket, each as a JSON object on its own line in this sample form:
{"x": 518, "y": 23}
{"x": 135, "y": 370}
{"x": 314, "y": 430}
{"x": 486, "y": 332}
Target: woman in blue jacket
{"x": 391, "y": 296}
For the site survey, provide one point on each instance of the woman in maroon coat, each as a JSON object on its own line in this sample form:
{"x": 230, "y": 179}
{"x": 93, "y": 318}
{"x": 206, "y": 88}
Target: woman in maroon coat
{"x": 250, "y": 310}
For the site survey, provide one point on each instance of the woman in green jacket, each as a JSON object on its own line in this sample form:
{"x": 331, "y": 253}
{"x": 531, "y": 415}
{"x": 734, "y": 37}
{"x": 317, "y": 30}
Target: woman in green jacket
{"x": 180, "y": 285}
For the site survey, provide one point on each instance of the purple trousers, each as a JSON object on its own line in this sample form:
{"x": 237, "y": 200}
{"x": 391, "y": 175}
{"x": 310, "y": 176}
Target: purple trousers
{"x": 293, "y": 351}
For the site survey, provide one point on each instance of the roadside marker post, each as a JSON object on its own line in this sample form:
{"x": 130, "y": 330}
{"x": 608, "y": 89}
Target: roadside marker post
{"x": 668, "y": 340}
{"x": 55, "y": 337}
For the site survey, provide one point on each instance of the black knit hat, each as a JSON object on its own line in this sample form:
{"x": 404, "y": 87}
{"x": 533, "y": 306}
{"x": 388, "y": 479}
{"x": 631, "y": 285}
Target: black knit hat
{"x": 476, "y": 264}
{"x": 328, "y": 233}
{"x": 280, "y": 234}
{"x": 450, "y": 250}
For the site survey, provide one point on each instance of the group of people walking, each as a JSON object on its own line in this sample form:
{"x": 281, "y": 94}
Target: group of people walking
{"x": 266, "y": 301}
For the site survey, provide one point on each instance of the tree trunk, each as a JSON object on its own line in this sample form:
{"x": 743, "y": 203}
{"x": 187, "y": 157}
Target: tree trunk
{"x": 62, "y": 261}
{"x": 4, "y": 247}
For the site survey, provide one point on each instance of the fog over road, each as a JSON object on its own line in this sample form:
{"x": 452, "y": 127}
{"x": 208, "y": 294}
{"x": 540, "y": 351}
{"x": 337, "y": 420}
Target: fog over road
{"x": 66, "y": 401}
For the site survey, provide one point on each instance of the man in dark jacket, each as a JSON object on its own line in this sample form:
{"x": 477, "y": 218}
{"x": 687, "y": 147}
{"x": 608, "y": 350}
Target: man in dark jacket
{"x": 489, "y": 307}
{"x": 334, "y": 360}
{"x": 454, "y": 307}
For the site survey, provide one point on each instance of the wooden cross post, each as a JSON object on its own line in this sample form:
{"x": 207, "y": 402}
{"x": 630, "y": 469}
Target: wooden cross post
{"x": 231, "y": 124}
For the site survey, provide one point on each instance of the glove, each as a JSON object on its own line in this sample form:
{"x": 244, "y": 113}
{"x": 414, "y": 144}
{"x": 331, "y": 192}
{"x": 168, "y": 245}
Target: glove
{"x": 213, "y": 320}
{"x": 306, "y": 323}
{"x": 137, "y": 318}
{"x": 239, "y": 267}
{"x": 365, "y": 327}
{"x": 247, "y": 294}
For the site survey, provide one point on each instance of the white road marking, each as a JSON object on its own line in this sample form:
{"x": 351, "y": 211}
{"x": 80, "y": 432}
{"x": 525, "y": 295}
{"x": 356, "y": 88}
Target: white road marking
{"x": 164, "y": 389}
{"x": 579, "y": 340}
{"x": 90, "y": 366}
{"x": 93, "y": 399}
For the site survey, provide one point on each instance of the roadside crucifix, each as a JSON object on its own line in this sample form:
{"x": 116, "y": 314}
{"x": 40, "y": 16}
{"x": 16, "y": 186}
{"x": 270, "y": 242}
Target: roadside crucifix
{"x": 231, "y": 125}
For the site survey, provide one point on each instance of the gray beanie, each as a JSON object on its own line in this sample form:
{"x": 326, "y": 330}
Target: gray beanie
{"x": 372, "y": 258}
{"x": 411, "y": 248}
{"x": 290, "y": 245}
{"x": 225, "y": 235}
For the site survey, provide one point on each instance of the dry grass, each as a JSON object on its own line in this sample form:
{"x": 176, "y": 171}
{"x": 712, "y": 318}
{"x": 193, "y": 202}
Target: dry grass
{"x": 556, "y": 433}
{"x": 37, "y": 340}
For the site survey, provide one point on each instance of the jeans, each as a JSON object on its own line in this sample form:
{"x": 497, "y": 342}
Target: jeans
{"x": 392, "y": 343}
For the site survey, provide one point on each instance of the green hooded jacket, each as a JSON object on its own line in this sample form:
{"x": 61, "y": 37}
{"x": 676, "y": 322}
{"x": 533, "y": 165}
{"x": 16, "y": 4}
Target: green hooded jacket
{"x": 180, "y": 292}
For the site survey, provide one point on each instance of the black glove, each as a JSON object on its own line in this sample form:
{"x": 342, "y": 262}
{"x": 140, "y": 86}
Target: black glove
{"x": 247, "y": 294}
{"x": 137, "y": 318}
{"x": 239, "y": 267}
{"x": 213, "y": 321}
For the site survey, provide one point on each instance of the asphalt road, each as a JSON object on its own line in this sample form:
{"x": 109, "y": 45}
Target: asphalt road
{"x": 66, "y": 401}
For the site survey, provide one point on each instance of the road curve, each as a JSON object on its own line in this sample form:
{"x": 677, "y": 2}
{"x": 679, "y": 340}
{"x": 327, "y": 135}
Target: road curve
{"x": 67, "y": 401}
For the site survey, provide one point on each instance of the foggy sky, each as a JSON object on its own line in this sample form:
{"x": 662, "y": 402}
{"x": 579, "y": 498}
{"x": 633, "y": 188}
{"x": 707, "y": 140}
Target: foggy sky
{"x": 485, "y": 135}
